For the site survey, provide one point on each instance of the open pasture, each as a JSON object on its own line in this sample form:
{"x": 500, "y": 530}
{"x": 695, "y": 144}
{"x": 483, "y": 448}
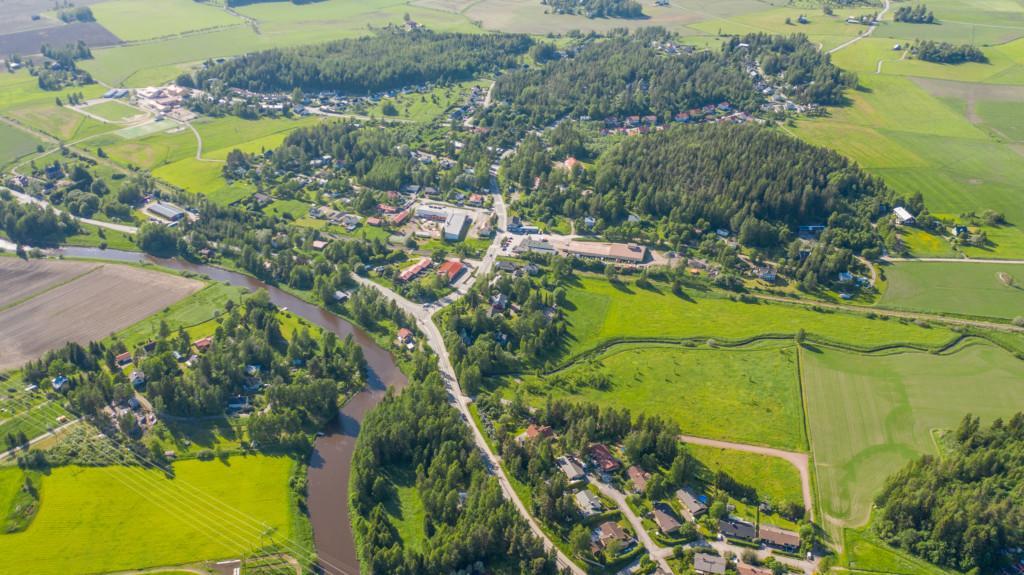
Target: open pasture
{"x": 599, "y": 311}
{"x": 979, "y": 289}
{"x": 134, "y": 20}
{"x": 117, "y": 518}
{"x": 748, "y": 395}
{"x": 87, "y": 308}
{"x": 15, "y": 143}
{"x": 868, "y": 415}
{"x": 775, "y": 479}
{"x": 113, "y": 111}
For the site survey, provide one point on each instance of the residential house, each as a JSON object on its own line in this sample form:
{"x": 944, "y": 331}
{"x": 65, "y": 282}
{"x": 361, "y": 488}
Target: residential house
{"x": 609, "y": 532}
{"x": 405, "y": 338}
{"x": 733, "y": 528}
{"x": 665, "y": 519}
{"x": 414, "y": 270}
{"x": 451, "y": 269}
{"x": 475, "y": 200}
{"x": 203, "y": 344}
{"x": 571, "y": 468}
{"x": 588, "y": 503}
{"x": 779, "y": 538}
{"x": 639, "y": 477}
{"x": 399, "y": 218}
{"x": 137, "y": 378}
{"x": 123, "y": 359}
{"x": 59, "y": 382}
{"x": 691, "y": 502}
{"x": 744, "y": 569}
{"x": 603, "y": 458}
{"x": 767, "y": 273}
{"x": 374, "y": 221}
{"x": 499, "y": 302}
{"x": 709, "y": 564}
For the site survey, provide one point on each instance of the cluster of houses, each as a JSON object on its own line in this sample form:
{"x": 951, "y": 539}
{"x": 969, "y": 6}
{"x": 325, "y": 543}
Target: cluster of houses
{"x": 711, "y": 113}
{"x": 347, "y": 220}
{"x": 165, "y": 101}
{"x": 450, "y": 270}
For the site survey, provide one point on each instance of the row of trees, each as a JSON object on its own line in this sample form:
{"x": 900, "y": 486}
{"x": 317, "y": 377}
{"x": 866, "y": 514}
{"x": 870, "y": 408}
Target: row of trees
{"x": 387, "y": 61}
{"x": 32, "y": 224}
{"x": 946, "y": 53}
{"x": 919, "y": 14}
{"x": 468, "y": 526}
{"x": 962, "y": 510}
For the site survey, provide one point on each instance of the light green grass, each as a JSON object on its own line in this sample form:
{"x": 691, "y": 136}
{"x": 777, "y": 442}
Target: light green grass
{"x": 406, "y": 509}
{"x": 962, "y": 288}
{"x": 863, "y": 551}
{"x": 774, "y": 478}
{"x": 869, "y": 415}
{"x": 749, "y": 395}
{"x": 90, "y": 238}
{"x": 428, "y": 106}
{"x": 143, "y": 19}
{"x": 1007, "y": 118}
{"x": 11, "y": 480}
{"x": 113, "y": 111}
{"x": 601, "y": 312}
{"x": 197, "y": 308}
{"x": 15, "y": 143}
{"x": 116, "y": 518}
{"x": 296, "y": 208}
{"x": 924, "y": 244}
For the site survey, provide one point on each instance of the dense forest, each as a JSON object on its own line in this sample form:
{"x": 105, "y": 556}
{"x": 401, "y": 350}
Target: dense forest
{"x": 946, "y": 53}
{"x": 919, "y": 14}
{"x": 597, "y": 8}
{"x": 390, "y": 60}
{"x": 962, "y": 510}
{"x": 639, "y": 74}
{"x": 468, "y": 526}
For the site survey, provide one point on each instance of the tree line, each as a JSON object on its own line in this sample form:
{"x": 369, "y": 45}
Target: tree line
{"x": 389, "y": 60}
{"x": 946, "y": 53}
{"x": 919, "y": 14}
{"x": 34, "y": 225}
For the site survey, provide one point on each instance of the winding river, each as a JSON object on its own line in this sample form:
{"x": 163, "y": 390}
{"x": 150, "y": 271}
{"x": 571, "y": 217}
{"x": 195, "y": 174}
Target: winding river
{"x": 332, "y": 454}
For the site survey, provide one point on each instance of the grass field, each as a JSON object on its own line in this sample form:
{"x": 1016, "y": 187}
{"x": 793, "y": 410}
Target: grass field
{"x": 599, "y": 311}
{"x": 406, "y": 509}
{"x": 748, "y": 395}
{"x": 23, "y": 100}
{"x": 426, "y": 107}
{"x": 870, "y": 415}
{"x": 116, "y": 518}
{"x": 775, "y": 479}
{"x": 864, "y": 552}
{"x": 197, "y": 308}
{"x": 144, "y": 19}
{"x": 967, "y": 288}
{"x": 113, "y": 111}
{"x": 90, "y": 238}
{"x": 15, "y": 143}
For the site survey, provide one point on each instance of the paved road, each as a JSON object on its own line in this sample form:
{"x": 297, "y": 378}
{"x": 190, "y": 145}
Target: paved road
{"x": 658, "y": 554}
{"x": 799, "y": 460}
{"x": 870, "y": 30}
{"x": 36, "y": 440}
{"x": 27, "y": 199}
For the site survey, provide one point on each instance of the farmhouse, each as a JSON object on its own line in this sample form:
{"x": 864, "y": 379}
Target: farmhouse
{"x": 414, "y": 270}
{"x": 733, "y": 528}
{"x": 203, "y": 344}
{"x": 588, "y": 503}
{"x": 572, "y": 470}
{"x": 454, "y": 227}
{"x": 123, "y": 358}
{"x": 693, "y": 507}
{"x": 709, "y": 564}
{"x": 603, "y": 458}
{"x": 451, "y": 269}
{"x": 608, "y": 252}
{"x": 779, "y": 538}
{"x": 638, "y": 477}
{"x": 169, "y": 212}
{"x": 405, "y": 338}
{"x": 666, "y": 521}
{"x": 903, "y": 217}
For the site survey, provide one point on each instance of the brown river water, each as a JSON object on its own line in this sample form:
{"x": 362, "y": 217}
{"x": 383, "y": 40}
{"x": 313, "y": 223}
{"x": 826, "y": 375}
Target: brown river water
{"x": 330, "y": 463}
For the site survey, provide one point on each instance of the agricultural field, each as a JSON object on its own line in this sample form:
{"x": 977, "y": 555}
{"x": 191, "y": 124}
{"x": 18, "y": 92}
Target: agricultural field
{"x": 115, "y": 518}
{"x": 747, "y": 395}
{"x": 113, "y": 111}
{"x": 22, "y": 100}
{"x": 134, "y": 20}
{"x": 89, "y": 307}
{"x": 775, "y": 479}
{"x": 599, "y": 311}
{"x": 978, "y": 289}
{"x": 864, "y": 552}
{"x": 15, "y": 143}
{"x": 868, "y": 415}
{"x": 198, "y": 308}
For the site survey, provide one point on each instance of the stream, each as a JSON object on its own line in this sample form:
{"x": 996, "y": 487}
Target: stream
{"x": 331, "y": 460}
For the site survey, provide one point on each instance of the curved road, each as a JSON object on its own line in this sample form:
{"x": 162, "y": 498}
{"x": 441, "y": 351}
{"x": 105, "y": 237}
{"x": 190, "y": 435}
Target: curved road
{"x": 27, "y": 199}
{"x": 870, "y": 31}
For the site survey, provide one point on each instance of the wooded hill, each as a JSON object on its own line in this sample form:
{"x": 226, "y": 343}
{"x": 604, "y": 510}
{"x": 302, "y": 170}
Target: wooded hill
{"x": 965, "y": 509}
{"x": 390, "y": 60}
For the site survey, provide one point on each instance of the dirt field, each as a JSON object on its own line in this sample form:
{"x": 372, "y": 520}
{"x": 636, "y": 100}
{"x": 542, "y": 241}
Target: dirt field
{"x": 31, "y": 41}
{"x": 90, "y": 306}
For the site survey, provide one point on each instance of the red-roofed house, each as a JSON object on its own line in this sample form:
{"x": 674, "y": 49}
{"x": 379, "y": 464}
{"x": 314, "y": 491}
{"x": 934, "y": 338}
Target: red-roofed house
{"x": 451, "y": 269}
{"x": 414, "y": 270}
{"x": 400, "y": 218}
{"x": 372, "y": 221}
{"x": 204, "y": 343}
{"x": 535, "y": 431}
{"x": 124, "y": 358}
{"x": 603, "y": 457}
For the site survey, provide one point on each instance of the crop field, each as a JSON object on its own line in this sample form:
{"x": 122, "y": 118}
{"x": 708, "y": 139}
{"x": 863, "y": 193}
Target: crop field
{"x": 113, "y": 111}
{"x": 116, "y": 518}
{"x": 979, "y": 289}
{"x": 87, "y": 308}
{"x": 195, "y": 309}
{"x": 22, "y": 100}
{"x": 19, "y": 280}
{"x": 15, "y": 143}
{"x": 868, "y": 415}
{"x": 144, "y": 19}
{"x": 31, "y": 41}
{"x": 774, "y": 478}
{"x": 599, "y": 311}
{"x": 748, "y": 395}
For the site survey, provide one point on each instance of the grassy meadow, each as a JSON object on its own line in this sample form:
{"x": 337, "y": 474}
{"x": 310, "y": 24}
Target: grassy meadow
{"x": 868, "y": 415}
{"x": 132, "y": 20}
{"x": 775, "y": 479}
{"x": 197, "y": 308}
{"x": 23, "y": 101}
{"x": 116, "y": 518}
{"x": 15, "y": 143}
{"x": 599, "y": 311}
{"x": 113, "y": 111}
{"x": 748, "y": 395}
{"x": 977, "y": 289}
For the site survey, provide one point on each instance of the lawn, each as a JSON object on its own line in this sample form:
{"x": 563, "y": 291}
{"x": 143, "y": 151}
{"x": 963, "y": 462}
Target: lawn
{"x": 775, "y": 479}
{"x": 748, "y": 395}
{"x": 865, "y": 552}
{"x": 15, "y": 143}
{"x": 91, "y": 238}
{"x": 296, "y": 208}
{"x": 113, "y": 111}
{"x": 976, "y": 289}
{"x": 869, "y": 415}
{"x": 23, "y": 100}
{"x": 599, "y": 311}
{"x": 116, "y": 518}
{"x": 144, "y": 19}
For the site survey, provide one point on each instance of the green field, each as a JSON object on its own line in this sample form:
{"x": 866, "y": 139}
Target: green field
{"x": 90, "y": 238}
{"x": 775, "y": 479}
{"x": 962, "y": 288}
{"x": 428, "y": 106}
{"x": 15, "y": 143}
{"x": 116, "y": 518}
{"x": 113, "y": 111}
{"x": 405, "y": 509}
{"x": 600, "y": 311}
{"x": 22, "y": 100}
{"x": 748, "y": 395}
{"x": 868, "y": 415}
{"x": 144, "y": 19}
{"x": 864, "y": 552}
{"x": 197, "y": 308}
